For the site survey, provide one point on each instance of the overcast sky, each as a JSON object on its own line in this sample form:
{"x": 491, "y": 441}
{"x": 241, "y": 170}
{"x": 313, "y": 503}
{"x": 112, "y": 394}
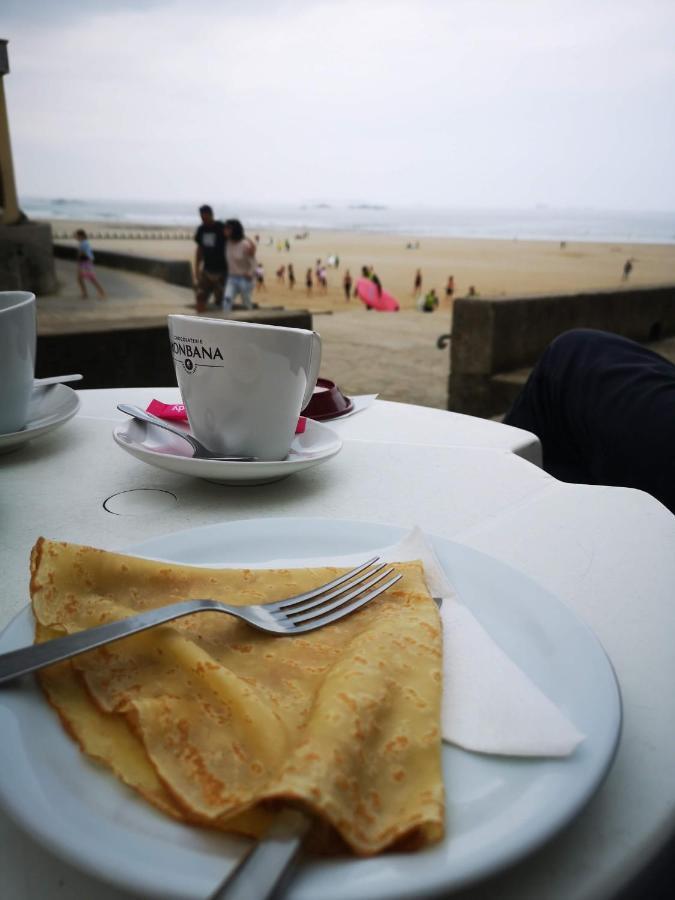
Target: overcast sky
{"x": 460, "y": 103}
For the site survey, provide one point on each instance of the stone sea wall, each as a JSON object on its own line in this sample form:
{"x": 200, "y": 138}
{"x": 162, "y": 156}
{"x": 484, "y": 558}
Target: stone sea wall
{"x": 495, "y": 341}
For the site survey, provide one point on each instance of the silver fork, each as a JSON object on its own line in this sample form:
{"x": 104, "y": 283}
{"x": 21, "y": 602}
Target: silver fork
{"x": 295, "y": 615}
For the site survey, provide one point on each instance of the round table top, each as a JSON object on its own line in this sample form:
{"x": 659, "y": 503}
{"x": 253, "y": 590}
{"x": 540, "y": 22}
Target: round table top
{"x": 607, "y": 552}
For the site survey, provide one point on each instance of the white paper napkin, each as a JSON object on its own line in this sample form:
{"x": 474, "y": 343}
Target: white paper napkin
{"x": 489, "y": 705}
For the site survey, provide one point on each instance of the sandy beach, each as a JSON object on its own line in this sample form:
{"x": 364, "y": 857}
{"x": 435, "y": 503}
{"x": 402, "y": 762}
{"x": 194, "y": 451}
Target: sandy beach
{"x": 495, "y": 268}
{"x": 394, "y": 355}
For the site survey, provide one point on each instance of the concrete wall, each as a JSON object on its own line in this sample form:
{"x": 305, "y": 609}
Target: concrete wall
{"x": 26, "y": 258}
{"x": 134, "y": 355}
{"x": 172, "y": 271}
{"x": 493, "y": 337}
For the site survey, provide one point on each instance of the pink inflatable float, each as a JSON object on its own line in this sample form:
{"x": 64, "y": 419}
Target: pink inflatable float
{"x": 366, "y": 291}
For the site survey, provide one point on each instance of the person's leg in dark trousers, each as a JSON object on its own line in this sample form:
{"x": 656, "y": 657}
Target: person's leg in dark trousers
{"x": 604, "y": 410}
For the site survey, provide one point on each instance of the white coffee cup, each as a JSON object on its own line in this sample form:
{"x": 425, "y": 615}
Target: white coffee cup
{"x": 243, "y": 385}
{"x": 18, "y": 336}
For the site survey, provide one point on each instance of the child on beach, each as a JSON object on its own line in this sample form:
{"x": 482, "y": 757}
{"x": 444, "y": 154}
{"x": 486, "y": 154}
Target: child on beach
{"x": 291, "y": 276}
{"x": 309, "y": 282}
{"x": 417, "y": 287}
{"x": 85, "y": 265}
{"x": 450, "y": 287}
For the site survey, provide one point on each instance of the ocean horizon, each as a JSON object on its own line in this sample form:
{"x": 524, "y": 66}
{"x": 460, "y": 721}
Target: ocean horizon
{"x": 541, "y": 223}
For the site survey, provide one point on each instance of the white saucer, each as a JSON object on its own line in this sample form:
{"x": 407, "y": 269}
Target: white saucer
{"x": 50, "y": 406}
{"x": 158, "y": 447}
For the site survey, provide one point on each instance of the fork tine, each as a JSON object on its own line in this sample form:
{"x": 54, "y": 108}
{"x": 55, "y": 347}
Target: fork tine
{"x": 360, "y": 601}
{"x": 342, "y": 598}
{"x": 324, "y": 587}
{"x": 301, "y": 606}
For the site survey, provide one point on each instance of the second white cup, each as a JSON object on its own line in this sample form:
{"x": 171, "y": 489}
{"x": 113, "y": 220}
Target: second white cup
{"x": 18, "y": 336}
{"x": 243, "y": 384}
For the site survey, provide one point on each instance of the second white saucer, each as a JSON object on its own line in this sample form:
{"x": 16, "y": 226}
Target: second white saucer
{"x": 50, "y": 406}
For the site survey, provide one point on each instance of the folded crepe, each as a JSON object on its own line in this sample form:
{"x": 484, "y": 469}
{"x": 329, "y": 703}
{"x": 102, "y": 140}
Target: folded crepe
{"x": 217, "y": 724}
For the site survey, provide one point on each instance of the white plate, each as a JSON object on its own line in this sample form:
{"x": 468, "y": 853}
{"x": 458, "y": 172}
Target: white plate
{"x": 498, "y": 809}
{"x": 50, "y": 406}
{"x": 158, "y": 447}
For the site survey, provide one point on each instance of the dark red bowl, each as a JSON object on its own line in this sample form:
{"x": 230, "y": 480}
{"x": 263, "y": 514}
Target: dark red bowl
{"x": 328, "y": 402}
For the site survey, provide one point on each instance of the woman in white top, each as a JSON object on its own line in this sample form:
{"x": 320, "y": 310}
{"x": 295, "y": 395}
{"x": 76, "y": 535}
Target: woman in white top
{"x": 241, "y": 264}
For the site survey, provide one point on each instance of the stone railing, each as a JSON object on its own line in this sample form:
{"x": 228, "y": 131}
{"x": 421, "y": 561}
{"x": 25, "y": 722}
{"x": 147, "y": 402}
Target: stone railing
{"x": 496, "y": 341}
{"x": 173, "y": 271}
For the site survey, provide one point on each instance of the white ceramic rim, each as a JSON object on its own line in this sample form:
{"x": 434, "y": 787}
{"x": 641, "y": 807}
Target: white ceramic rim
{"x": 259, "y": 325}
{"x": 26, "y": 298}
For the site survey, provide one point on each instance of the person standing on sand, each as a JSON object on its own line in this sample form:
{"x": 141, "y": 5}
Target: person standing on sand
{"x": 627, "y": 269}
{"x": 309, "y": 282}
{"x": 241, "y": 264}
{"x": 210, "y": 267}
{"x": 417, "y": 287}
{"x": 450, "y": 288}
{"x": 347, "y": 284}
{"x": 376, "y": 281}
{"x": 260, "y": 277}
{"x": 85, "y": 265}
{"x": 291, "y": 276}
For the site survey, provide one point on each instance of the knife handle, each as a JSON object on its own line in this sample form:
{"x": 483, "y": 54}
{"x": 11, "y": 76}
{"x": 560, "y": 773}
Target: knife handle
{"x": 262, "y": 871}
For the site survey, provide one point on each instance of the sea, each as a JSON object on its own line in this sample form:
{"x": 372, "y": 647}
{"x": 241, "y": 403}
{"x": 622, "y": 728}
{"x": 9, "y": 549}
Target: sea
{"x": 538, "y": 223}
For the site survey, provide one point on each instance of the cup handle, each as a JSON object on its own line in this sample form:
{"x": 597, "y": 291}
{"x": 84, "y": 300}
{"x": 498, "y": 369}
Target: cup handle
{"x": 314, "y": 366}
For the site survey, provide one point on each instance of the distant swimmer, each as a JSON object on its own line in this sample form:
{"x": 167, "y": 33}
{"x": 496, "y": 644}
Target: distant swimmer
{"x": 627, "y": 269}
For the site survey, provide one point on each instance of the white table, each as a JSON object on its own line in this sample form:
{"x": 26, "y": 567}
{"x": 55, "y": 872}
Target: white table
{"x": 607, "y": 552}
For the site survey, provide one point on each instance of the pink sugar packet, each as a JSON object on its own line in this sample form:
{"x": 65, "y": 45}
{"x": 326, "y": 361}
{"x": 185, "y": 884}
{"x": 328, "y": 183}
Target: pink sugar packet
{"x": 176, "y": 412}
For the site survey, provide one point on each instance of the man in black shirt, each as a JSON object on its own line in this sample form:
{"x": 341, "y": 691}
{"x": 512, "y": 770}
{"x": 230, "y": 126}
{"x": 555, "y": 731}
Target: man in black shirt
{"x": 210, "y": 262}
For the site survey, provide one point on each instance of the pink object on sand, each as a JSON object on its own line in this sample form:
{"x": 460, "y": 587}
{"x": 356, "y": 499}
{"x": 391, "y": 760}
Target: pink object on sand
{"x": 367, "y": 292}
